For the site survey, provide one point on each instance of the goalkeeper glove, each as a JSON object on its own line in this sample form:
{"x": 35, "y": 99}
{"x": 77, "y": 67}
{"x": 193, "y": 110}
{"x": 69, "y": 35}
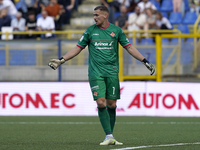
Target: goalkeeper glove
{"x": 55, "y": 63}
{"x": 149, "y": 66}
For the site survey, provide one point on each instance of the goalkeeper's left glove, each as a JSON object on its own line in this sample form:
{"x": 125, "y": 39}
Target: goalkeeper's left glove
{"x": 55, "y": 63}
{"x": 149, "y": 66}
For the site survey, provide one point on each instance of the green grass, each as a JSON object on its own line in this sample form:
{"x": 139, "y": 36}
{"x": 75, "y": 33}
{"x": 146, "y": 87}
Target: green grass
{"x": 53, "y": 134}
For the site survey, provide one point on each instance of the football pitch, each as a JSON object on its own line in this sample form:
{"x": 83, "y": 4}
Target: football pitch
{"x": 85, "y": 133}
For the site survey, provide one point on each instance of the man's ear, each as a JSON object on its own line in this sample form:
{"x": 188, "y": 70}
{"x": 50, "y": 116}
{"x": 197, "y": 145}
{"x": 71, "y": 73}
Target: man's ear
{"x": 105, "y": 15}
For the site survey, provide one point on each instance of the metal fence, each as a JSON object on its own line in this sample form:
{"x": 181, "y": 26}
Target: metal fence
{"x": 174, "y": 55}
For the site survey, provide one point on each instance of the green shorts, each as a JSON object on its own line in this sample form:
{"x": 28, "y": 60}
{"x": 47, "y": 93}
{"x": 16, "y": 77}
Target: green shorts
{"x": 107, "y": 87}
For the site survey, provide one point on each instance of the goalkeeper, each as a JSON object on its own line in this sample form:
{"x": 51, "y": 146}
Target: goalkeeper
{"x": 102, "y": 39}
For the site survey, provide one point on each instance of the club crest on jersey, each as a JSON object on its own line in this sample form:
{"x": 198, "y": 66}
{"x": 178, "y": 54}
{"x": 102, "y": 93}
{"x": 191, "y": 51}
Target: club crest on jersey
{"x": 95, "y": 93}
{"x": 112, "y": 34}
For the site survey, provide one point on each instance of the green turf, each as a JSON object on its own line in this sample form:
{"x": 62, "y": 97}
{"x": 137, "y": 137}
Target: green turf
{"x": 132, "y": 131}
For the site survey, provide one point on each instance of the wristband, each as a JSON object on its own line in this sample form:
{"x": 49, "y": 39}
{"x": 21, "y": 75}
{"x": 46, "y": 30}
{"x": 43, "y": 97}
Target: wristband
{"x": 145, "y": 61}
{"x": 62, "y": 60}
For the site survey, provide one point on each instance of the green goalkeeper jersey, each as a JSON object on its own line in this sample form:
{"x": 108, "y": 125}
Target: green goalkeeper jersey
{"x": 103, "y": 49}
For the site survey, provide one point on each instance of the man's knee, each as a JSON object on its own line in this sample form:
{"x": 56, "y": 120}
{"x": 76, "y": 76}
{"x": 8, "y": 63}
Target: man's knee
{"x": 111, "y": 103}
{"x": 101, "y": 102}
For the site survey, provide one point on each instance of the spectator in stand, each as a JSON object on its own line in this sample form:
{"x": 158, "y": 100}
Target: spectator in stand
{"x": 136, "y": 20}
{"x": 26, "y": 5}
{"x": 162, "y": 23}
{"x": 44, "y": 2}
{"x": 177, "y": 5}
{"x": 118, "y": 3}
{"x": 45, "y": 23}
{"x": 31, "y": 25}
{"x": 110, "y": 6}
{"x": 56, "y": 11}
{"x": 195, "y": 7}
{"x": 146, "y": 4}
{"x": 18, "y": 24}
{"x": 5, "y": 20}
{"x": 68, "y": 6}
{"x": 122, "y": 20}
{"x": 150, "y": 22}
{"x": 9, "y": 6}
{"x": 133, "y": 5}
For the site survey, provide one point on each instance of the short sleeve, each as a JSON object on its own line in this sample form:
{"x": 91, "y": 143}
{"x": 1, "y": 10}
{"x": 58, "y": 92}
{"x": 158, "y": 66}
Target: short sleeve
{"x": 123, "y": 40}
{"x": 84, "y": 40}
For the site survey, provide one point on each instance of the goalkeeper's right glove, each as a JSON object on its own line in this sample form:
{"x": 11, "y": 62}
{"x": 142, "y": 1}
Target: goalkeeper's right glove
{"x": 55, "y": 63}
{"x": 149, "y": 66}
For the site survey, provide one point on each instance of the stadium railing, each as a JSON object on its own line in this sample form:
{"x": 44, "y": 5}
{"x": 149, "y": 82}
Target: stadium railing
{"x": 173, "y": 50}
{"x": 196, "y": 51}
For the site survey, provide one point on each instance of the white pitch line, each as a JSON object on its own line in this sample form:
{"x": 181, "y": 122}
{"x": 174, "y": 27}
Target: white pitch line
{"x": 126, "y": 123}
{"x": 165, "y": 145}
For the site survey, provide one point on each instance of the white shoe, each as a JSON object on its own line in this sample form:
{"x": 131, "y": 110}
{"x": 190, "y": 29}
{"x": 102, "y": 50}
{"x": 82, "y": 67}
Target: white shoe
{"x": 109, "y": 141}
{"x": 118, "y": 143}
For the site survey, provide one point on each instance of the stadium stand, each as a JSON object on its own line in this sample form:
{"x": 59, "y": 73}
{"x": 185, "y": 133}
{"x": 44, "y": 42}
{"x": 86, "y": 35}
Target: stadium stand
{"x": 166, "y": 6}
{"x": 189, "y": 18}
{"x": 175, "y": 18}
{"x": 81, "y": 19}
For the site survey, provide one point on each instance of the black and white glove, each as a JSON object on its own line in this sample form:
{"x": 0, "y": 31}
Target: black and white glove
{"x": 149, "y": 66}
{"x": 55, "y": 63}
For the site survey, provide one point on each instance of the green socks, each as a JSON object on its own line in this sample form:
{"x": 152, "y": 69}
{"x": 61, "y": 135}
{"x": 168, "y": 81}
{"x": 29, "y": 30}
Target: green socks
{"x": 104, "y": 119}
{"x": 107, "y": 118}
{"x": 112, "y": 114}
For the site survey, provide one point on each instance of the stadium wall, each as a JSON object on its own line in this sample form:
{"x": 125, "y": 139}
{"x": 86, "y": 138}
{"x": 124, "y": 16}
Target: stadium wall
{"x": 75, "y": 99}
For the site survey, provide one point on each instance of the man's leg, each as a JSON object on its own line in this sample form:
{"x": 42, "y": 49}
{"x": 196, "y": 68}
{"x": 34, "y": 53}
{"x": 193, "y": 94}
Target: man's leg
{"x": 105, "y": 121}
{"x": 112, "y": 94}
{"x": 104, "y": 115}
{"x": 98, "y": 88}
{"x": 111, "y": 107}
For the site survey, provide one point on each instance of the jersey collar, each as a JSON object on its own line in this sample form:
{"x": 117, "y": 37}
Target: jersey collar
{"x": 105, "y": 27}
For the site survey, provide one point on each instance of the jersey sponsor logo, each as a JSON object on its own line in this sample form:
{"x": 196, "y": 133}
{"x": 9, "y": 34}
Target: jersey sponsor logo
{"x": 95, "y": 34}
{"x": 104, "y": 45}
{"x": 110, "y": 43}
{"x": 112, "y": 34}
{"x": 95, "y": 93}
{"x": 100, "y": 44}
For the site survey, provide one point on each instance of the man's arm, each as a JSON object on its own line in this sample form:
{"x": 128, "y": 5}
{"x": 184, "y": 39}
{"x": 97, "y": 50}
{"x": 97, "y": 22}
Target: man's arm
{"x": 136, "y": 54}
{"x": 72, "y": 53}
{"x": 55, "y": 63}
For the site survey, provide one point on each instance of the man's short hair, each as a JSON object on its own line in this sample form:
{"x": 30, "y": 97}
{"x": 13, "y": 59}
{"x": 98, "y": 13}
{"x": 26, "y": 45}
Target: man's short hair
{"x": 102, "y": 8}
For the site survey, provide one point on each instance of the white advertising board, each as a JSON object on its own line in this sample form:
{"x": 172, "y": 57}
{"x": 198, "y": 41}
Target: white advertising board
{"x": 75, "y": 99}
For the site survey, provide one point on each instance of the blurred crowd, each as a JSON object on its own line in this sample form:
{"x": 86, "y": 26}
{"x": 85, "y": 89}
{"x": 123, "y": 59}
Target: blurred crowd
{"x": 143, "y": 14}
{"x": 49, "y": 15}
{"x": 32, "y": 15}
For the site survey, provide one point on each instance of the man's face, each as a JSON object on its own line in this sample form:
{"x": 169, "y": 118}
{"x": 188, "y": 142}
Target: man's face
{"x": 99, "y": 17}
{"x": 137, "y": 10}
{"x": 18, "y": 16}
{"x": 1, "y": 2}
{"x": 44, "y": 14}
{"x": 123, "y": 9}
{"x": 31, "y": 17}
{"x": 54, "y": 1}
